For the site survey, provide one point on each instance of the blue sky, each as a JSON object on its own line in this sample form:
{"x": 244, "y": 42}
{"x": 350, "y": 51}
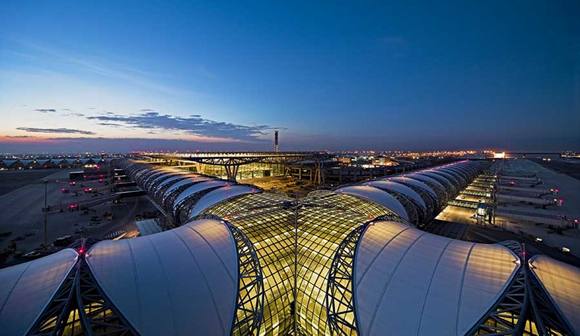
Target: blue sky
{"x": 105, "y": 75}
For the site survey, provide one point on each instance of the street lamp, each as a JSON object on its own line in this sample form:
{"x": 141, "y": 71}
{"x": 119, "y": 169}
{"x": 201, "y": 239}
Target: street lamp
{"x": 45, "y": 209}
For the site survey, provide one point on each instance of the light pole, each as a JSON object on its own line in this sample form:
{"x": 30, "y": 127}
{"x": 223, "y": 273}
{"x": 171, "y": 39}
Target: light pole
{"x": 45, "y": 209}
{"x": 295, "y": 287}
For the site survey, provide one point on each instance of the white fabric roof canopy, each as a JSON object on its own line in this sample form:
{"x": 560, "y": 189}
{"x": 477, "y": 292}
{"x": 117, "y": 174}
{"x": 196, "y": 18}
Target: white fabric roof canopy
{"x": 174, "y": 282}
{"x": 562, "y": 282}
{"x": 26, "y": 289}
{"x": 378, "y": 196}
{"x": 409, "y": 282}
{"x": 219, "y": 195}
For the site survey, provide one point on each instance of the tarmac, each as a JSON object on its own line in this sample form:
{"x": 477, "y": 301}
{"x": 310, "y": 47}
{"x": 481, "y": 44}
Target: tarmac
{"x": 569, "y": 192}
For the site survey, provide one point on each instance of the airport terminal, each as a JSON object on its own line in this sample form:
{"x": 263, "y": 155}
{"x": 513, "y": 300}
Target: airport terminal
{"x": 233, "y": 259}
{"x": 289, "y": 168}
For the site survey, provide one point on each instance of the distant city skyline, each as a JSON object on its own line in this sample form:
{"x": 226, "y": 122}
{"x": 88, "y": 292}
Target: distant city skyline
{"x": 175, "y": 75}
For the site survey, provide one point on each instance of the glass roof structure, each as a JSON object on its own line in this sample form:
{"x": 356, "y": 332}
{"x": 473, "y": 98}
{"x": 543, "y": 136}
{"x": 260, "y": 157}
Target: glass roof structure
{"x": 417, "y": 197}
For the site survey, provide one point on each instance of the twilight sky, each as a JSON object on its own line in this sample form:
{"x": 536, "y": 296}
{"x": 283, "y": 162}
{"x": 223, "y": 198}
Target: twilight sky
{"x": 185, "y": 75}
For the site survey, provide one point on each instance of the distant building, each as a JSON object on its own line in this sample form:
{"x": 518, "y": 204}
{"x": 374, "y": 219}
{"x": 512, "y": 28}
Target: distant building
{"x": 345, "y": 160}
{"x": 384, "y": 161}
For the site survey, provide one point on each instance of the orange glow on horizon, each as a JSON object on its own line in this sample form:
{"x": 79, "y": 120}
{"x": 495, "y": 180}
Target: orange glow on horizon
{"x": 24, "y": 139}
{"x": 52, "y": 139}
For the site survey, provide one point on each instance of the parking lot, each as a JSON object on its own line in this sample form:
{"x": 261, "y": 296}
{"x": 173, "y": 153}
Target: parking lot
{"x": 22, "y": 217}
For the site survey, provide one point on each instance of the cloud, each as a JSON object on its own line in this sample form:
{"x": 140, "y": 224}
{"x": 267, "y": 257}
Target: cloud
{"x": 120, "y": 145}
{"x": 55, "y": 130}
{"x": 65, "y": 112}
{"x": 194, "y": 124}
{"x": 109, "y": 124}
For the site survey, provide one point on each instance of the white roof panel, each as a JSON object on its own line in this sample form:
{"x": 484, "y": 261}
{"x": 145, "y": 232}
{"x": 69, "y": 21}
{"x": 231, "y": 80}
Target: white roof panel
{"x": 154, "y": 178}
{"x": 26, "y": 289}
{"x": 562, "y": 282}
{"x": 450, "y": 176}
{"x": 426, "y": 178}
{"x": 446, "y": 181}
{"x": 177, "y": 282}
{"x": 457, "y": 175}
{"x": 400, "y": 188}
{"x": 188, "y": 180}
{"x": 194, "y": 189}
{"x": 221, "y": 194}
{"x": 378, "y": 196}
{"x": 414, "y": 283}
{"x": 413, "y": 182}
{"x": 171, "y": 179}
{"x": 149, "y": 175}
{"x": 148, "y": 226}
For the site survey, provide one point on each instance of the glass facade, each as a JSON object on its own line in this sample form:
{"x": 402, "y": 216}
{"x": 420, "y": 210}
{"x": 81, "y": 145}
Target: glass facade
{"x": 325, "y": 219}
{"x": 268, "y": 222}
{"x": 316, "y": 225}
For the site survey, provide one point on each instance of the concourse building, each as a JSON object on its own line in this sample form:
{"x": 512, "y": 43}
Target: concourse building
{"x": 240, "y": 261}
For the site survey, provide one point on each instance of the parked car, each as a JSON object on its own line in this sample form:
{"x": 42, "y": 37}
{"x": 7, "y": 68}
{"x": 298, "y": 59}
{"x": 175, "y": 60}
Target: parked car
{"x": 63, "y": 240}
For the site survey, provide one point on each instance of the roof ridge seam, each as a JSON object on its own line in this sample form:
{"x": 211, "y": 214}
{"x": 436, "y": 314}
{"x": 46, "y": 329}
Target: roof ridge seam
{"x": 164, "y": 274}
{"x": 461, "y": 288}
{"x": 195, "y": 261}
{"x": 388, "y": 283}
{"x": 135, "y": 277}
{"x": 214, "y": 251}
{"x": 430, "y": 283}
{"x": 13, "y": 287}
{"x": 380, "y": 251}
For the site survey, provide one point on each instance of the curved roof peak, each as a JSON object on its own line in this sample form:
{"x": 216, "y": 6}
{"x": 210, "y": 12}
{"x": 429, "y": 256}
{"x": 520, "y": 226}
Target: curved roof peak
{"x": 411, "y": 282}
{"x": 562, "y": 283}
{"x": 378, "y": 196}
{"x": 172, "y": 282}
{"x": 386, "y": 184}
{"x": 26, "y": 289}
